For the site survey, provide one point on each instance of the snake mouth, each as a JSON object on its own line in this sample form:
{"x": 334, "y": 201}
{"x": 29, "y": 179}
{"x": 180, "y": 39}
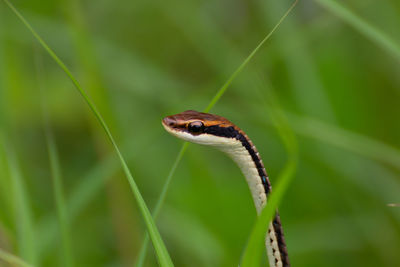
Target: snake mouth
{"x": 169, "y": 122}
{"x": 174, "y": 124}
{"x": 171, "y": 125}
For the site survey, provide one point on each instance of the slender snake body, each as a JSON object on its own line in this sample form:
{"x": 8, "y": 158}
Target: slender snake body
{"x": 216, "y": 131}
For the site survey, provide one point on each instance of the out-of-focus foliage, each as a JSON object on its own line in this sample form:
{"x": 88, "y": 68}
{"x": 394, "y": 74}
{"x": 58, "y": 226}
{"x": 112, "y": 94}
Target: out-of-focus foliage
{"x": 142, "y": 60}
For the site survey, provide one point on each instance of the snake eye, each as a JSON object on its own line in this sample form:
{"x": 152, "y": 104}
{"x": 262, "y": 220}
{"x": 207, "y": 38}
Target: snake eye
{"x": 196, "y": 127}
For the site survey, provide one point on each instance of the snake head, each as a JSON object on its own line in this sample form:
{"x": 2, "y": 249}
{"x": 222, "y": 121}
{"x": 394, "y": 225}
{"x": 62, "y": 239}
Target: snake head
{"x": 201, "y": 128}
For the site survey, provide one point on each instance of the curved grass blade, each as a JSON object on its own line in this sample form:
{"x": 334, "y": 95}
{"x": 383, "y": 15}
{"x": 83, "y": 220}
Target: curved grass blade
{"x": 255, "y": 246}
{"x": 143, "y": 250}
{"x": 214, "y": 100}
{"x": 221, "y": 91}
{"x": 161, "y": 251}
{"x": 370, "y": 31}
{"x": 12, "y": 259}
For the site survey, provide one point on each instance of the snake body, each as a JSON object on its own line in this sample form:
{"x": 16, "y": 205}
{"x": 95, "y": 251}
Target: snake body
{"x": 216, "y": 131}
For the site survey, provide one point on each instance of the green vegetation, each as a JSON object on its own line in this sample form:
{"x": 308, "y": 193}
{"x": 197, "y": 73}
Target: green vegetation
{"x": 319, "y": 100}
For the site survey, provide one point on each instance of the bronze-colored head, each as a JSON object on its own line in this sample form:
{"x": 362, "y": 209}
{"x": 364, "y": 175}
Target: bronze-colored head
{"x": 199, "y": 127}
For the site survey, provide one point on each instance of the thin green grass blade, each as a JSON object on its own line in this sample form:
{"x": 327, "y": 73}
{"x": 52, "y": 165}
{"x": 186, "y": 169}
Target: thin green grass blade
{"x": 214, "y": 100}
{"x": 143, "y": 250}
{"x": 221, "y": 91}
{"x": 161, "y": 251}
{"x": 370, "y": 31}
{"x": 23, "y": 216}
{"x": 12, "y": 259}
{"x": 60, "y": 201}
{"x": 255, "y": 246}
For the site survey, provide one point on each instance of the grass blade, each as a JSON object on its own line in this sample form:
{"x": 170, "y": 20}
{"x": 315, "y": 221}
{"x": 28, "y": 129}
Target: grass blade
{"x": 370, "y": 31}
{"x": 221, "y": 91}
{"x": 12, "y": 259}
{"x": 143, "y": 250}
{"x": 161, "y": 251}
{"x": 94, "y": 83}
{"x": 254, "y": 249}
{"x": 214, "y": 100}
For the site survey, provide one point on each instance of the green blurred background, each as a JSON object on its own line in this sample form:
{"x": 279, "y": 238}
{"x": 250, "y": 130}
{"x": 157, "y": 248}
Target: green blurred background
{"x": 142, "y": 60}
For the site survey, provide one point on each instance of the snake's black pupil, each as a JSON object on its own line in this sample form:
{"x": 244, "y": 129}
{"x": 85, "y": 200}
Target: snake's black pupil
{"x": 196, "y": 127}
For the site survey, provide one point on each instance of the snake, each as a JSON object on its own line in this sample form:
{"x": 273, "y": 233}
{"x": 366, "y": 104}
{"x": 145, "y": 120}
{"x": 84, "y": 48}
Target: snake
{"x": 216, "y": 131}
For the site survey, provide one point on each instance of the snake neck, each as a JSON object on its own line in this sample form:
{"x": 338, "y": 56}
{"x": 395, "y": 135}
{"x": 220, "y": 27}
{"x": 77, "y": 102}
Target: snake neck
{"x": 244, "y": 153}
